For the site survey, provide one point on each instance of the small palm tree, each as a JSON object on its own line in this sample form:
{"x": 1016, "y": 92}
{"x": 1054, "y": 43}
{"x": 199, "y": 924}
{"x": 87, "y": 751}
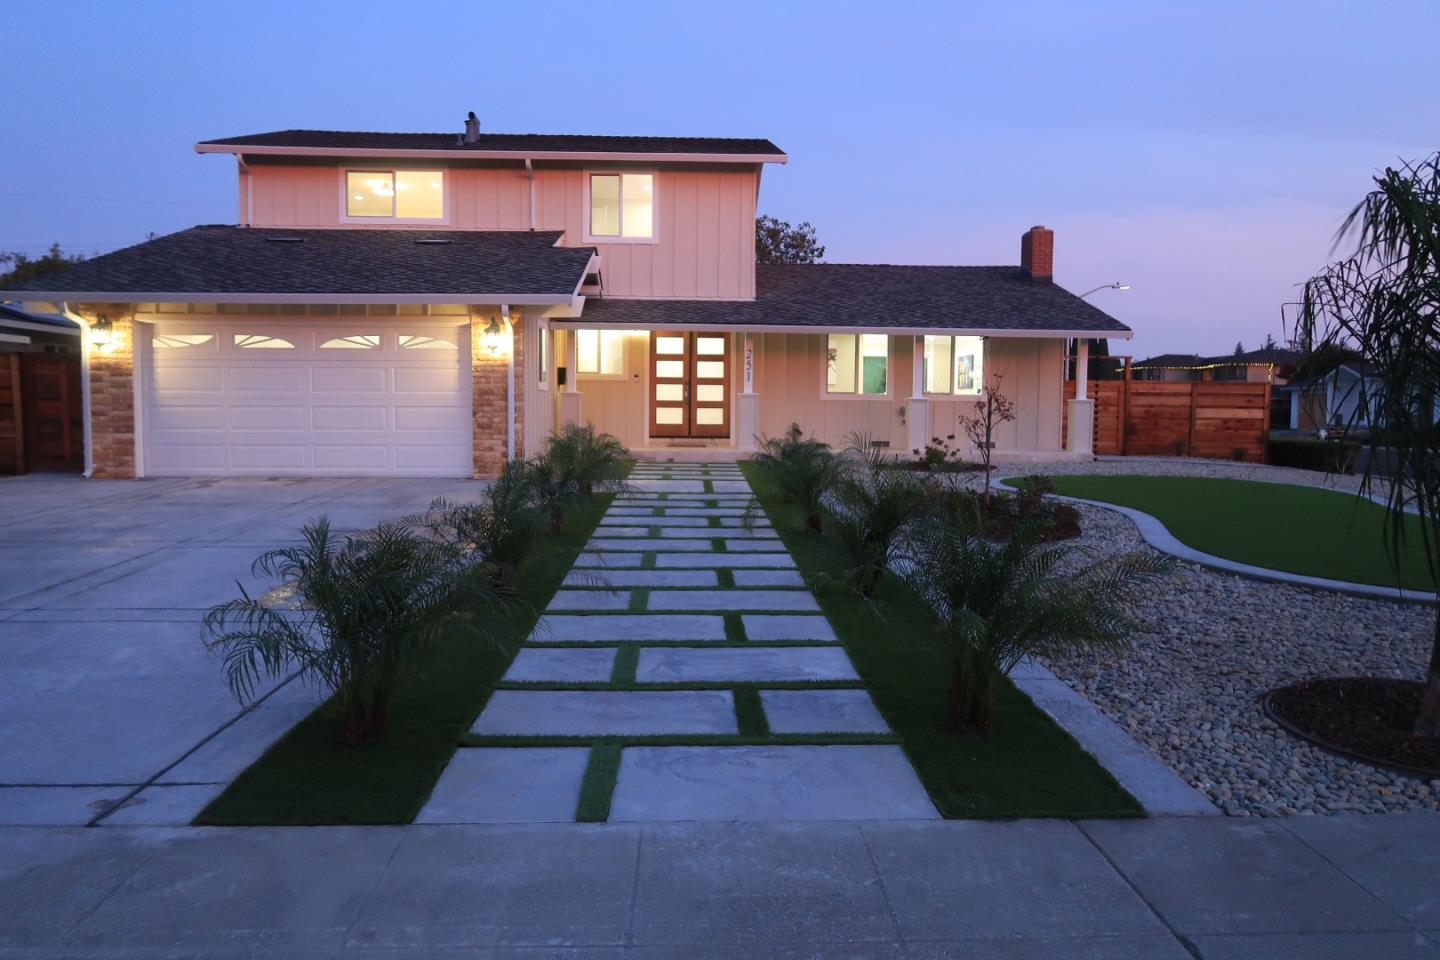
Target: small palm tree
{"x": 874, "y": 504}
{"x": 586, "y": 459}
{"x": 803, "y": 468}
{"x": 499, "y": 528}
{"x": 999, "y": 602}
{"x": 367, "y": 604}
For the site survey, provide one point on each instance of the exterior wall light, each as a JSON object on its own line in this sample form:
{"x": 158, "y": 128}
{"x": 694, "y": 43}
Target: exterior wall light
{"x": 102, "y": 332}
{"x": 492, "y": 338}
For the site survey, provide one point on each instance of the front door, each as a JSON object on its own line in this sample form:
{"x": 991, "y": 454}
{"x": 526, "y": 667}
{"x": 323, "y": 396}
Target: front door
{"x": 690, "y": 380}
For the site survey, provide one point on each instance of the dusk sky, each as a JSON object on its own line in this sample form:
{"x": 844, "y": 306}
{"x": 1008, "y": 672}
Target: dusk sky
{"x": 1202, "y": 152}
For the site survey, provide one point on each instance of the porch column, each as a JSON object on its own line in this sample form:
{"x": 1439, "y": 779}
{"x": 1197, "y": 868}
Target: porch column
{"x": 749, "y": 419}
{"x": 917, "y": 407}
{"x": 1081, "y": 411}
{"x": 570, "y": 396}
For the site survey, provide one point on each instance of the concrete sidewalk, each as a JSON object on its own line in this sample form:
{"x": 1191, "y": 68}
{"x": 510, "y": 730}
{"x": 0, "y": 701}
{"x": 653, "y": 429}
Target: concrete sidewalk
{"x": 1183, "y": 888}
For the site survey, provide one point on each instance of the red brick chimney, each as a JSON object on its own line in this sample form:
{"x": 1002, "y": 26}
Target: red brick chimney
{"x": 1037, "y": 253}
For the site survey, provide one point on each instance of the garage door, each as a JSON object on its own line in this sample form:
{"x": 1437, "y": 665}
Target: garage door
{"x": 353, "y": 398}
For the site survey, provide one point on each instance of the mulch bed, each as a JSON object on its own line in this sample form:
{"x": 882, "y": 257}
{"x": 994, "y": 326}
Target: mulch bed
{"x": 1363, "y": 718}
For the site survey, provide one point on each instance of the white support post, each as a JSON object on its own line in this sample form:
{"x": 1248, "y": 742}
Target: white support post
{"x": 1080, "y": 412}
{"x": 570, "y": 396}
{"x": 917, "y": 407}
{"x": 749, "y": 401}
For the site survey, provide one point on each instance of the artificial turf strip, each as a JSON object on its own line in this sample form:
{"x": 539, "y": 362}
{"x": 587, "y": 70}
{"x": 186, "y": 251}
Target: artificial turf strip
{"x": 1027, "y": 767}
{"x": 687, "y": 740}
{"x": 750, "y": 717}
{"x": 735, "y": 629}
{"x": 597, "y": 786}
{"x": 631, "y": 686}
{"x": 622, "y": 670}
{"x": 309, "y": 778}
{"x": 1298, "y": 529}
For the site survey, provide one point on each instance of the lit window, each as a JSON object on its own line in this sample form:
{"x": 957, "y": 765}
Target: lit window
{"x": 544, "y": 378}
{"x": 260, "y": 341}
{"x": 600, "y": 352}
{"x": 954, "y": 365}
{"x": 858, "y": 363}
{"x": 395, "y": 194}
{"x": 359, "y": 341}
{"x": 622, "y": 205}
{"x": 417, "y": 341}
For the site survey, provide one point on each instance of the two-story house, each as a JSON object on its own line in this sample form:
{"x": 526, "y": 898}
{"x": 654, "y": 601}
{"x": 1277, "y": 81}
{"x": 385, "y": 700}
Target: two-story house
{"x": 429, "y": 304}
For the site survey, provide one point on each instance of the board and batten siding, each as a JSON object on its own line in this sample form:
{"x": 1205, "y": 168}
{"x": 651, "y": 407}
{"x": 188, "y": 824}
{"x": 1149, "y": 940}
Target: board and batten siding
{"x": 704, "y": 220}
{"x": 790, "y": 371}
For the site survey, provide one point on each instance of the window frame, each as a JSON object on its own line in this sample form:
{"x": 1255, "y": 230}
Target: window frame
{"x": 599, "y": 374}
{"x": 857, "y": 393}
{"x": 393, "y": 169}
{"x": 980, "y": 380}
{"x": 590, "y": 173}
{"x": 543, "y": 350}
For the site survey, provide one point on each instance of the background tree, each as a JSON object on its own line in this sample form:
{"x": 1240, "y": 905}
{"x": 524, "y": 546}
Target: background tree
{"x": 776, "y": 241}
{"x": 1384, "y": 301}
{"x": 1239, "y": 348}
{"x": 17, "y": 267}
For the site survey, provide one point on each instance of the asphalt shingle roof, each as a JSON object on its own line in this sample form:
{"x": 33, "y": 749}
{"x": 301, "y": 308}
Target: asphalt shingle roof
{"x": 241, "y": 260}
{"x": 502, "y": 142}
{"x": 880, "y": 296}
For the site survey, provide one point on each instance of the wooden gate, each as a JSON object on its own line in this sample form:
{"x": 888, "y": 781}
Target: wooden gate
{"x": 1146, "y": 418}
{"x": 41, "y": 422}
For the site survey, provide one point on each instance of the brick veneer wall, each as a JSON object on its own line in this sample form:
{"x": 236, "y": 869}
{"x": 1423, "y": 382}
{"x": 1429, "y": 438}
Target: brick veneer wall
{"x": 488, "y": 390}
{"x": 112, "y": 396}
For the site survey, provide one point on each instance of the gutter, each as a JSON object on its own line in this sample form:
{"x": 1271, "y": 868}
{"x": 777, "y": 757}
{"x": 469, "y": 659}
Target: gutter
{"x": 85, "y": 417}
{"x": 509, "y": 385}
{"x": 413, "y": 154}
{"x": 351, "y": 299}
{"x": 815, "y": 328}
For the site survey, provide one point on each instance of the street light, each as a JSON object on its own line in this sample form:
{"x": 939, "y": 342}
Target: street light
{"x": 1117, "y": 285}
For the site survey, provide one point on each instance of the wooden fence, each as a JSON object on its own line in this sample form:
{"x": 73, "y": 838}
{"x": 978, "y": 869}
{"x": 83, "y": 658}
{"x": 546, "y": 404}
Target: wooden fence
{"x": 1228, "y": 420}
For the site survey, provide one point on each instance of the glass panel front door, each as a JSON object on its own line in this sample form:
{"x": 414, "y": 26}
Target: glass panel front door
{"x": 689, "y": 384}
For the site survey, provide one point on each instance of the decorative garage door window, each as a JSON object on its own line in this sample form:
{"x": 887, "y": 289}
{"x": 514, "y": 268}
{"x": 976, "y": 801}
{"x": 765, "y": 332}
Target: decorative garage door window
{"x": 416, "y": 341}
{"x": 260, "y": 341}
{"x": 179, "y": 341}
{"x": 358, "y": 341}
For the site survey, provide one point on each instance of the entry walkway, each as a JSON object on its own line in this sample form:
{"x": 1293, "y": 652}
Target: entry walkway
{"x": 683, "y": 671}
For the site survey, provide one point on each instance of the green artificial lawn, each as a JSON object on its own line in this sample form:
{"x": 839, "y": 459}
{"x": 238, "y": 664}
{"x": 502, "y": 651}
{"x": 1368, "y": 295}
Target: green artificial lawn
{"x": 1307, "y": 530}
{"x": 308, "y": 777}
{"x": 1027, "y": 767}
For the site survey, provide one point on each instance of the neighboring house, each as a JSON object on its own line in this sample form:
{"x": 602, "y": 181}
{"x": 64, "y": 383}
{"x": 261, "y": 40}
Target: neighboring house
{"x": 429, "y": 304}
{"x": 41, "y": 420}
{"x": 1273, "y": 365}
{"x": 1343, "y": 399}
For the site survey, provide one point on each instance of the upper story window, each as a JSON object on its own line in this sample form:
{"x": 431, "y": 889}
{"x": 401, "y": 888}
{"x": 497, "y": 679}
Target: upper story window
{"x": 395, "y": 194}
{"x": 622, "y": 205}
{"x": 858, "y": 363}
{"x": 954, "y": 365}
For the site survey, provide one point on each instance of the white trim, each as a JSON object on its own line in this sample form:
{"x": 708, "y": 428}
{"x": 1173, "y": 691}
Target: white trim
{"x": 336, "y": 299}
{"x": 588, "y": 237}
{"x": 38, "y": 327}
{"x": 83, "y": 329}
{"x": 393, "y": 220}
{"x": 566, "y": 323}
{"x": 473, "y": 154}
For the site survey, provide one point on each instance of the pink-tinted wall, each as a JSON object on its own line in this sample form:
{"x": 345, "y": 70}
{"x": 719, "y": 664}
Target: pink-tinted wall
{"x": 704, "y": 220}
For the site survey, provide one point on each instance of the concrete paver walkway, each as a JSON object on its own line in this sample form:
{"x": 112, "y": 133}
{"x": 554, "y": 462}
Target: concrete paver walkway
{"x": 696, "y": 628}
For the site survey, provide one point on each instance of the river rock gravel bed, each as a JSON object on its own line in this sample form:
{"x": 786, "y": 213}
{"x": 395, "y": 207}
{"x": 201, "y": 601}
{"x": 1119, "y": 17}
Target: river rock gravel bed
{"x": 1211, "y": 645}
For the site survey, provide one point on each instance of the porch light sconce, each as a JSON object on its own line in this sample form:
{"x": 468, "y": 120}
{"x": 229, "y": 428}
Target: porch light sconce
{"x": 102, "y": 332}
{"x": 492, "y": 338}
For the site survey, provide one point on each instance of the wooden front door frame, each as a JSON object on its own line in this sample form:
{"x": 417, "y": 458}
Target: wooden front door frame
{"x": 693, "y": 403}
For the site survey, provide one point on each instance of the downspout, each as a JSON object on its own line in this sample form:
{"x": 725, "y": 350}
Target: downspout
{"x": 84, "y": 385}
{"x": 530, "y": 175}
{"x": 509, "y": 385}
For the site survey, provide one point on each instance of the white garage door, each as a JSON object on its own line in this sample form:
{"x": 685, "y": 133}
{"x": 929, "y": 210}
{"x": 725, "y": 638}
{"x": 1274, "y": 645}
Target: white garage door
{"x": 268, "y": 398}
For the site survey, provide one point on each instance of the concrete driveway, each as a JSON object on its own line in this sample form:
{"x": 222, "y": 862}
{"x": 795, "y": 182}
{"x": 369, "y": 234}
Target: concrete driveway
{"x": 107, "y": 687}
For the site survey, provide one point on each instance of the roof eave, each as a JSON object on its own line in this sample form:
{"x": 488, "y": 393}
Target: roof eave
{"x": 339, "y": 299}
{"x": 581, "y": 322}
{"x": 603, "y": 156}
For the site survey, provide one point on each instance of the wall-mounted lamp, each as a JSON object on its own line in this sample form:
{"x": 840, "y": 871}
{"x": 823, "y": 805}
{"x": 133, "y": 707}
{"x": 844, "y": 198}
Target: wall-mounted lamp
{"x": 492, "y": 338}
{"x": 102, "y": 331}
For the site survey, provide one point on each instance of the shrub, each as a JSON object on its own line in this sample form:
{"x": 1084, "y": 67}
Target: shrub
{"x": 938, "y": 455}
{"x": 803, "y": 468}
{"x": 873, "y": 507}
{"x": 585, "y": 459}
{"x": 1328, "y": 456}
{"x": 999, "y": 602}
{"x": 366, "y": 605}
{"x": 500, "y": 527}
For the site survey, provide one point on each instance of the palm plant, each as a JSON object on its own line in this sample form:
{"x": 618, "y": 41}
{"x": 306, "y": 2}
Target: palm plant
{"x": 874, "y": 504}
{"x": 803, "y": 468}
{"x": 586, "y": 459}
{"x": 1384, "y": 301}
{"x": 367, "y": 603}
{"x": 500, "y": 527}
{"x": 999, "y": 602}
